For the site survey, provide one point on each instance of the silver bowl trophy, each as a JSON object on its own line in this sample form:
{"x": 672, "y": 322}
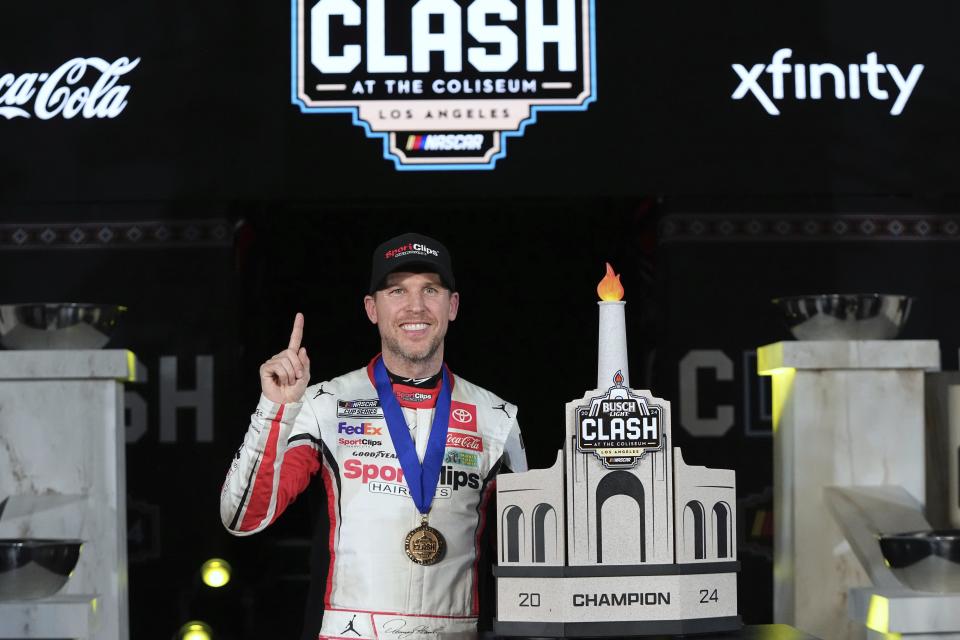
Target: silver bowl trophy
{"x": 924, "y": 560}
{"x": 619, "y": 537}
{"x": 845, "y": 316}
{"x": 58, "y": 325}
{"x": 32, "y": 568}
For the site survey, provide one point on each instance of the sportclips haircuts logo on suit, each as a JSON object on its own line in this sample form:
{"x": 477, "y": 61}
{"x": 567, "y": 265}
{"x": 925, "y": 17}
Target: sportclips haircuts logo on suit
{"x": 444, "y": 83}
{"x": 80, "y": 87}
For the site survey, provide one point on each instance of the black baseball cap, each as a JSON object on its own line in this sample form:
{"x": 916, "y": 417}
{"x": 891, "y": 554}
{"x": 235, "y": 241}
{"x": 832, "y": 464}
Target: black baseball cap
{"x": 411, "y": 252}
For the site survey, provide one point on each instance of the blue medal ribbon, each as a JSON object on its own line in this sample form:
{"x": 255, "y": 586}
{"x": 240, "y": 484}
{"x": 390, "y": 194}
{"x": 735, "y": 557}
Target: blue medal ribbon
{"x": 422, "y": 479}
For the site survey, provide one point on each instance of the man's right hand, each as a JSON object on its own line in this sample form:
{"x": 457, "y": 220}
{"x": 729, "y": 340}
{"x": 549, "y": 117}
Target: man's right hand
{"x": 285, "y": 376}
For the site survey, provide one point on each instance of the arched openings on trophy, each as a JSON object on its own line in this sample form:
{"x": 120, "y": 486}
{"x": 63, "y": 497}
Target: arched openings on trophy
{"x": 722, "y": 529}
{"x": 621, "y": 483}
{"x": 705, "y": 513}
{"x": 546, "y": 533}
{"x": 693, "y": 530}
{"x": 694, "y": 542}
{"x": 513, "y": 524}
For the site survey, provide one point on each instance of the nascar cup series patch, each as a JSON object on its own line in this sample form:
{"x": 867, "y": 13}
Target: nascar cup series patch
{"x": 443, "y": 83}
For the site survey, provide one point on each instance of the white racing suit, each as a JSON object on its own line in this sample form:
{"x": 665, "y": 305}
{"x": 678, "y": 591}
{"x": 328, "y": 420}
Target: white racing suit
{"x": 373, "y": 590}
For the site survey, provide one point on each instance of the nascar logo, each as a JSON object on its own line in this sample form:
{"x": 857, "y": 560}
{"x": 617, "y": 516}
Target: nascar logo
{"x": 445, "y": 142}
{"x": 359, "y": 409}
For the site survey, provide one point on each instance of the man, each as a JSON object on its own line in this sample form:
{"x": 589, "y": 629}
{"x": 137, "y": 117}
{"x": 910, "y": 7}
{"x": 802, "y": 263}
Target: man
{"x": 407, "y": 453}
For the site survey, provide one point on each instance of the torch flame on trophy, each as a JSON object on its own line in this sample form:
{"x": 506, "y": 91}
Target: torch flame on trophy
{"x": 609, "y": 289}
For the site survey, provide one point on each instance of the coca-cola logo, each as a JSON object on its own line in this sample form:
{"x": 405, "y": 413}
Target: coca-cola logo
{"x": 464, "y": 441}
{"x": 70, "y": 91}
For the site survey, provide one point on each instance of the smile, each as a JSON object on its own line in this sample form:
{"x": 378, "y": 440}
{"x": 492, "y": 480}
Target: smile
{"x": 414, "y": 326}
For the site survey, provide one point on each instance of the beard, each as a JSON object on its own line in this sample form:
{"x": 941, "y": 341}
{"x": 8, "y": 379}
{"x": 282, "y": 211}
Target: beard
{"x": 422, "y": 354}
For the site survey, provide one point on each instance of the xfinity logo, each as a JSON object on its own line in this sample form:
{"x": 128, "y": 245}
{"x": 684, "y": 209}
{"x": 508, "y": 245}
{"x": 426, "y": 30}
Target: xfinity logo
{"x": 808, "y": 81}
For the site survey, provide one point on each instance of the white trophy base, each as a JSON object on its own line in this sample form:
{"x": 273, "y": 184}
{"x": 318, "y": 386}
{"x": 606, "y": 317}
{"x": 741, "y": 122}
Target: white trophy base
{"x": 602, "y": 600}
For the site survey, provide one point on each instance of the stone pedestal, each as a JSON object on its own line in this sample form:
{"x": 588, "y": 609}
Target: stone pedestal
{"x": 57, "y": 617}
{"x": 846, "y": 413}
{"x": 906, "y": 615}
{"x": 943, "y": 437}
{"x": 62, "y": 473}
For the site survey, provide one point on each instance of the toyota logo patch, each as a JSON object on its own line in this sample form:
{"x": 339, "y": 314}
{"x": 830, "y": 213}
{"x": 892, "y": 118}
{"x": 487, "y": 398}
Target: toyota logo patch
{"x": 463, "y": 416}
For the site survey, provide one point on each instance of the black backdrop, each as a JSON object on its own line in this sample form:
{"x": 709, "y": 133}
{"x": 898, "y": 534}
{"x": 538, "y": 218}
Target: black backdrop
{"x": 708, "y": 206}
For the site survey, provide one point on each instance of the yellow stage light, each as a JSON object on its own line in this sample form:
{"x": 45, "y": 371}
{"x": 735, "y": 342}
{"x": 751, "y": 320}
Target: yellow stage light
{"x": 196, "y": 630}
{"x": 878, "y": 614}
{"x": 215, "y": 572}
{"x": 782, "y": 387}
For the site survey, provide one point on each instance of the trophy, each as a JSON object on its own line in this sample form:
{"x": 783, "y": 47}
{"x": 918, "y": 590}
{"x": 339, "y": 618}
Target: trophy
{"x": 619, "y": 537}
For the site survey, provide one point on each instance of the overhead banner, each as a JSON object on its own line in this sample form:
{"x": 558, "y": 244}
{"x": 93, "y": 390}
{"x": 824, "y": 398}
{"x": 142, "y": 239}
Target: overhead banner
{"x": 105, "y": 103}
{"x": 444, "y": 83}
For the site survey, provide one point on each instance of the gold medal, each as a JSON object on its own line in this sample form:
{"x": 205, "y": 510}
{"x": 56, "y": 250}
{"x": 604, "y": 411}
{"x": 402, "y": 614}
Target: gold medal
{"x": 425, "y": 545}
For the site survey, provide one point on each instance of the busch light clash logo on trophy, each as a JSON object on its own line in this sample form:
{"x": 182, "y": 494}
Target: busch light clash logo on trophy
{"x": 444, "y": 83}
{"x": 619, "y": 427}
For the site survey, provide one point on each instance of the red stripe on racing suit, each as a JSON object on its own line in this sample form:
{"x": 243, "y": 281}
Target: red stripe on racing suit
{"x": 259, "y": 504}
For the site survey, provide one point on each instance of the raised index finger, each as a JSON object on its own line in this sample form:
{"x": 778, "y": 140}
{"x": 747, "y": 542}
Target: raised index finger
{"x": 297, "y": 335}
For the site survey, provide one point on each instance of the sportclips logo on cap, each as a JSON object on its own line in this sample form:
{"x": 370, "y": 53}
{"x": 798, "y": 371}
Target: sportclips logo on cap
{"x": 444, "y": 83}
{"x": 411, "y": 247}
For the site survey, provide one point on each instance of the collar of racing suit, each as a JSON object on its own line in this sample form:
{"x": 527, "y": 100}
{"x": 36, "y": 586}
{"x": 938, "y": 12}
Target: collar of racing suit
{"x": 413, "y": 393}
{"x": 422, "y": 383}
